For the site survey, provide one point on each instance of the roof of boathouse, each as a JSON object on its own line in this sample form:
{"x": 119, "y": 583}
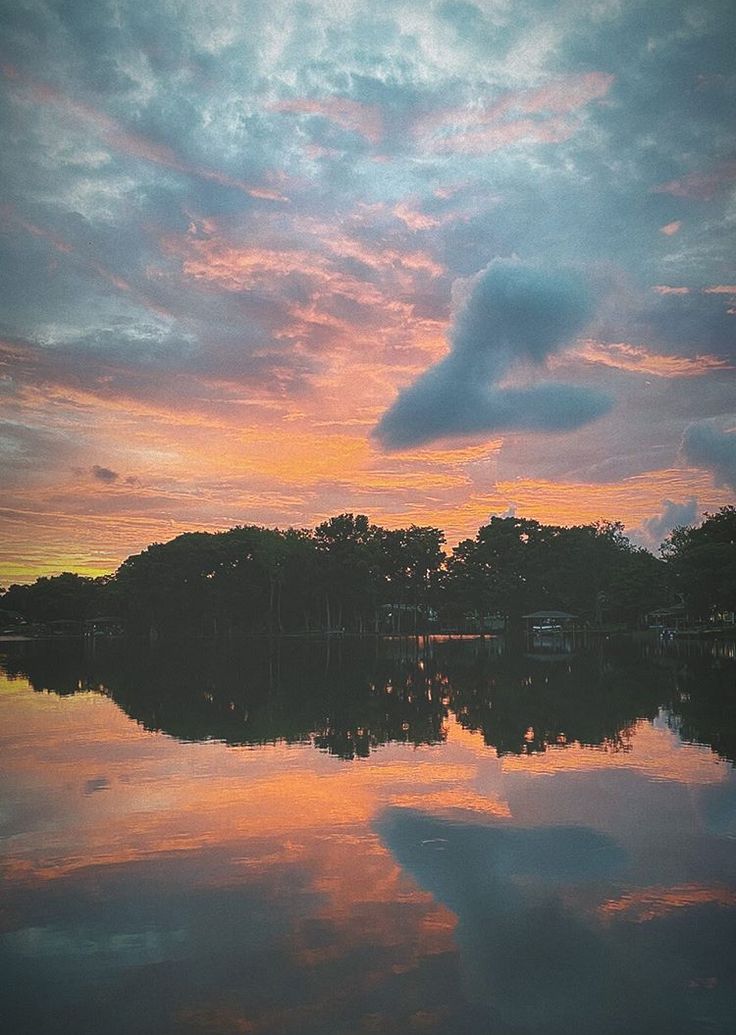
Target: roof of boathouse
{"x": 561, "y": 615}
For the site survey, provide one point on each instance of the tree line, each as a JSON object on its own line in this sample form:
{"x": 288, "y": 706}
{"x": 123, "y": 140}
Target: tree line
{"x": 351, "y": 575}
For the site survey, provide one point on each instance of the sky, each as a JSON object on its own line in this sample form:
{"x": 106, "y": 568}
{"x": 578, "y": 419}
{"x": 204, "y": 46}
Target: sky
{"x": 263, "y": 263}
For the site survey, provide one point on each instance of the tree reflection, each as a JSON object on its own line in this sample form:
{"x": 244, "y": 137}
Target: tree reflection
{"x": 703, "y": 703}
{"x": 523, "y": 704}
{"x": 349, "y": 697}
{"x": 345, "y": 701}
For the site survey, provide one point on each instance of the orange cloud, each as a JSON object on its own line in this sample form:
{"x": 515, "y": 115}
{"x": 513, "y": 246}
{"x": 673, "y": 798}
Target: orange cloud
{"x": 670, "y": 228}
{"x": 637, "y": 359}
{"x": 630, "y": 500}
{"x": 665, "y": 289}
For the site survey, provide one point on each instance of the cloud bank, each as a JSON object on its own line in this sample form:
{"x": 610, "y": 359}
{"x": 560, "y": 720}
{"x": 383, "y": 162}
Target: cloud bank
{"x": 511, "y": 315}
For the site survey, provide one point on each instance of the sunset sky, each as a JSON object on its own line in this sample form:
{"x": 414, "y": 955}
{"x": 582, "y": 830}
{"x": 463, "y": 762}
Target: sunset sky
{"x": 265, "y": 262}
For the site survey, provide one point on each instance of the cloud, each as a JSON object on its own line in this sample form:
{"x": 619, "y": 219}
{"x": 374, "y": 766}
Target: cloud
{"x": 522, "y": 116}
{"x": 681, "y": 320}
{"x": 161, "y": 288}
{"x": 705, "y": 444}
{"x": 27, "y": 453}
{"x": 511, "y": 315}
{"x": 640, "y": 360}
{"x": 359, "y": 118}
{"x": 703, "y": 185}
{"x": 104, "y": 474}
{"x": 655, "y": 529}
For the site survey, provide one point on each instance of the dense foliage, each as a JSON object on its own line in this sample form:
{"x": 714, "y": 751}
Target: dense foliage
{"x": 702, "y": 561}
{"x": 349, "y": 574}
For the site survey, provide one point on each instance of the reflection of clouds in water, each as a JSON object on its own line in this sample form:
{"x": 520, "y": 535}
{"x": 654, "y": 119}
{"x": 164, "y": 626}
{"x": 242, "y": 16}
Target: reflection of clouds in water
{"x": 306, "y": 919}
{"x": 184, "y": 931}
{"x": 646, "y": 904}
{"x": 655, "y": 752}
{"x": 537, "y": 959}
{"x": 496, "y": 852}
{"x": 86, "y": 943}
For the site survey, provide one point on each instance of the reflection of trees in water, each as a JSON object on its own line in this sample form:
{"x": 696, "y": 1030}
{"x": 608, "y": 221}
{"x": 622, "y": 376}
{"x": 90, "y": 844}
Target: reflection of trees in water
{"x": 346, "y": 700}
{"x": 523, "y": 704}
{"x": 349, "y": 697}
{"x": 703, "y": 699}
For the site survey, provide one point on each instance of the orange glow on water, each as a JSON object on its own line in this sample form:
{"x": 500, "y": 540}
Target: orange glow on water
{"x": 97, "y": 802}
{"x": 647, "y": 904}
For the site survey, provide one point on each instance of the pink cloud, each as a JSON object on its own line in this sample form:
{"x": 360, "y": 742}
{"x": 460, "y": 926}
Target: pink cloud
{"x": 414, "y": 219}
{"x": 562, "y": 95}
{"x": 319, "y": 257}
{"x": 493, "y": 138}
{"x": 720, "y": 289}
{"x": 489, "y": 127}
{"x": 60, "y": 245}
{"x": 666, "y": 289}
{"x": 364, "y": 119}
{"x": 670, "y": 228}
{"x": 8, "y": 214}
{"x": 701, "y": 186}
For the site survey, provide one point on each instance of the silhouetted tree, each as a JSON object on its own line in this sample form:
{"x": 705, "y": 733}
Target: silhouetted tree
{"x": 347, "y": 547}
{"x": 702, "y": 563}
{"x": 411, "y": 560}
{"x": 493, "y": 572}
{"x": 60, "y": 596}
{"x": 342, "y": 574}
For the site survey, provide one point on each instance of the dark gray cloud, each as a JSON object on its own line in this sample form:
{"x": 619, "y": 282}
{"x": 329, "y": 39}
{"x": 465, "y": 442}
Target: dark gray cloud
{"x": 104, "y": 474}
{"x": 512, "y": 315}
{"x": 707, "y": 444}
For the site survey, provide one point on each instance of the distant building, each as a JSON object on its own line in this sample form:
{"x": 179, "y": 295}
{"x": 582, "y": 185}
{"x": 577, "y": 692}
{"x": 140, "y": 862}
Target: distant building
{"x": 542, "y": 623}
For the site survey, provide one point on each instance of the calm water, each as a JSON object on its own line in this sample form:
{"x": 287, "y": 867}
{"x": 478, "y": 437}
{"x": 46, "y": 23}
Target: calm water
{"x": 356, "y": 838}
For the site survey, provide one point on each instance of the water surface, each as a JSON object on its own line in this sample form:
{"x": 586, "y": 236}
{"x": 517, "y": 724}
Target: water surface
{"x": 353, "y": 837}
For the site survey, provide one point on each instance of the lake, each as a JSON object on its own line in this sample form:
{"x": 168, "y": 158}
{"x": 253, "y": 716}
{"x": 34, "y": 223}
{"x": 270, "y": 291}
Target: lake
{"x": 368, "y": 837}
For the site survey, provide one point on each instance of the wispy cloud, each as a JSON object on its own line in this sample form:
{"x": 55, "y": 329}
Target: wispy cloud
{"x": 640, "y": 360}
{"x": 364, "y": 119}
{"x": 702, "y": 185}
